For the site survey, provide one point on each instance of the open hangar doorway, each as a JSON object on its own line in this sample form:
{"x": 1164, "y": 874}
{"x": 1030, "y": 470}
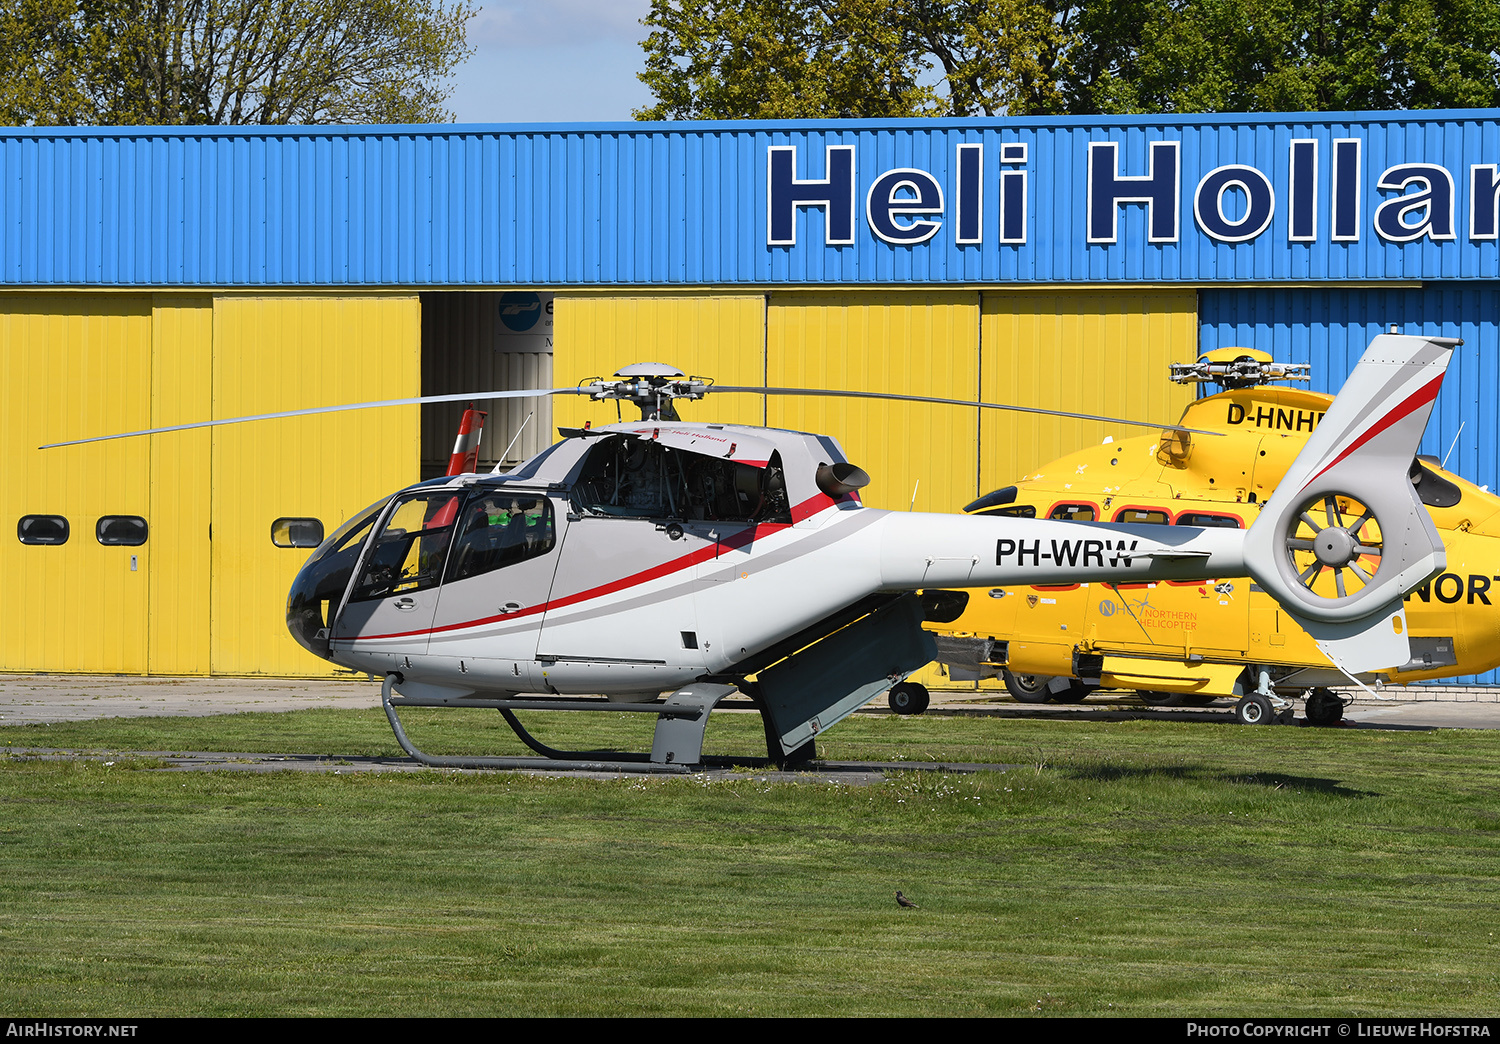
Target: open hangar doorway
{"x": 478, "y": 341}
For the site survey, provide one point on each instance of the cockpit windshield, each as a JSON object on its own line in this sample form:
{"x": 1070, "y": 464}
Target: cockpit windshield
{"x": 323, "y": 578}
{"x": 345, "y": 534}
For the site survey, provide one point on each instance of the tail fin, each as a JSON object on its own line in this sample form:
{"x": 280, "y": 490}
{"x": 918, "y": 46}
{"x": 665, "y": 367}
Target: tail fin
{"x": 1345, "y": 536}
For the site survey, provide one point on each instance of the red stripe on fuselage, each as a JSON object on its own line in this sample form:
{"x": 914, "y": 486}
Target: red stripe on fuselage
{"x": 806, "y": 509}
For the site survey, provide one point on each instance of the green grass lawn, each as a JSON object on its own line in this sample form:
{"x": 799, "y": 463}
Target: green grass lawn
{"x": 1138, "y": 868}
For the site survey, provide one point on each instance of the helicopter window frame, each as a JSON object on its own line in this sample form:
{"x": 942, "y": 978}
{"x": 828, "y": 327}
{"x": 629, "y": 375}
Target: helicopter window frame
{"x": 479, "y": 549}
{"x": 1078, "y": 506}
{"x": 133, "y": 529}
{"x": 1209, "y": 520}
{"x": 403, "y": 561}
{"x": 985, "y": 504}
{"x": 356, "y": 525}
{"x": 56, "y": 522}
{"x": 291, "y": 522}
{"x": 1165, "y": 518}
{"x": 1012, "y": 511}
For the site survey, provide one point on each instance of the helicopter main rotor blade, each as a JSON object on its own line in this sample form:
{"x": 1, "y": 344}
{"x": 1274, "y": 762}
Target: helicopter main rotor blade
{"x": 831, "y": 393}
{"x": 463, "y": 397}
{"x": 592, "y": 390}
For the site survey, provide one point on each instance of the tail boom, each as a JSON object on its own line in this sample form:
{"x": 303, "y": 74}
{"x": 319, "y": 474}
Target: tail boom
{"x": 922, "y": 550}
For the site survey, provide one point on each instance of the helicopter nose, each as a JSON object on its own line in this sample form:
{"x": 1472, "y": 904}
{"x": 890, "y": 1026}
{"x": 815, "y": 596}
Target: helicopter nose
{"x": 316, "y": 593}
{"x": 305, "y": 614}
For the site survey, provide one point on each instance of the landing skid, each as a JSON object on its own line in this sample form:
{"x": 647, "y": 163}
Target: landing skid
{"x": 676, "y": 749}
{"x": 801, "y": 686}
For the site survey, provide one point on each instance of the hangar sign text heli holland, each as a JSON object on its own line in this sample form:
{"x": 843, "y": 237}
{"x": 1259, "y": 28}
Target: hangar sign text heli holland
{"x": 1318, "y": 186}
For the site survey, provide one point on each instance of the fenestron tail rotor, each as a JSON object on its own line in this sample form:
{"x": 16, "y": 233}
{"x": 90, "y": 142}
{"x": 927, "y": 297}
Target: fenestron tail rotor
{"x": 1335, "y": 546}
{"x": 1345, "y": 535}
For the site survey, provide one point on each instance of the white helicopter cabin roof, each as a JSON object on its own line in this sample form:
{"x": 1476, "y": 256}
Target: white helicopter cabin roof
{"x": 800, "y": 454}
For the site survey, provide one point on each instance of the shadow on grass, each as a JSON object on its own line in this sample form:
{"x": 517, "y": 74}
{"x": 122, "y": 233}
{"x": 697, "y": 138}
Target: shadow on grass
{"x": 1111, "y": 773}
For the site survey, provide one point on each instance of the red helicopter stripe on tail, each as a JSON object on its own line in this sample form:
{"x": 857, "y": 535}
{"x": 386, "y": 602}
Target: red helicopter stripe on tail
{"x": 1416, "y": 401}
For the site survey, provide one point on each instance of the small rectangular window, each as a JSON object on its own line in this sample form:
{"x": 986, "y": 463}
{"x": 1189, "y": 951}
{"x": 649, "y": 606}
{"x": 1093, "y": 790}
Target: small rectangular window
{"x": 297, "y": 532}
{"x": 1142, "y": 516}
{"x": 42, "y": 529}
{"x": 1202, "y": 521}
{"x": 121, "y": 530}
{"x": 1073, "y": 512}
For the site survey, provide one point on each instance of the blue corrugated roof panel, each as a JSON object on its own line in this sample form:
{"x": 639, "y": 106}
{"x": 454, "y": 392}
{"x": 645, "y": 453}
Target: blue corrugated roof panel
{"x": 1377, "y": 196}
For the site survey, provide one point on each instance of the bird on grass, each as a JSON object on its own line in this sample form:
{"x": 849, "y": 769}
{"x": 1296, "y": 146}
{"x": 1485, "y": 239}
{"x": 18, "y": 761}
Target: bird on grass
{"x": 904, "y": 902}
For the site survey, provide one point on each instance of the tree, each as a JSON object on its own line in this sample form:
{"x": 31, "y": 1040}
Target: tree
{"x": 802, "y": 58}
{"x": 109, "y": 62}
{"x": 1283, "y": 55}
{"x": 777, "y": 59}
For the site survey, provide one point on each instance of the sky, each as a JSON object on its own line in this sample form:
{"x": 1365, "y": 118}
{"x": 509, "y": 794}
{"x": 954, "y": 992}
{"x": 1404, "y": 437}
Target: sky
{"x": 552, "y": 61}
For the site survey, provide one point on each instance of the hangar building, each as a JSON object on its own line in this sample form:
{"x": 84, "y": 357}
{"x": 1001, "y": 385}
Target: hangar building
{"x": 155, "y": 276}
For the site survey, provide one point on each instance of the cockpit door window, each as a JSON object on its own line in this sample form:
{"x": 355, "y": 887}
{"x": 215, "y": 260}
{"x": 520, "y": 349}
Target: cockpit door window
{"x": 407, "y": 555}
{"x": 501, "y": 529}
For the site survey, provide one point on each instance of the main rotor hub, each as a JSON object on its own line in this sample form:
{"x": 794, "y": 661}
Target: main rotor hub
{"x": 651, "y": 386}
{"x": 1238, "y": 368}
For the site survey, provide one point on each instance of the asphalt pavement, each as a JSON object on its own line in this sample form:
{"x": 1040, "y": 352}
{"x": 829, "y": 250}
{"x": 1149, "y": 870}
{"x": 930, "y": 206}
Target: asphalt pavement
{"x": 27, "y": 699}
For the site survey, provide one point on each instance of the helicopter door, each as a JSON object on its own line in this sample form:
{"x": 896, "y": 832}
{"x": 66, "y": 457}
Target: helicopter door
{"x": 611, "y": 566}
{"x": 391, "y": 606}
{"x": 499, "y": 575}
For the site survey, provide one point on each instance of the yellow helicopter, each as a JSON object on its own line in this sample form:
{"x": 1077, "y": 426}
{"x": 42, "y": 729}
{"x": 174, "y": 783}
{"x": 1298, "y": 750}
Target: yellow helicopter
{"x": 1194, "y": 642}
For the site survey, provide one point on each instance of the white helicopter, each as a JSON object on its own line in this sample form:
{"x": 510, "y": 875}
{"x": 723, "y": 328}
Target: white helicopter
{"x": 702, "y": 559}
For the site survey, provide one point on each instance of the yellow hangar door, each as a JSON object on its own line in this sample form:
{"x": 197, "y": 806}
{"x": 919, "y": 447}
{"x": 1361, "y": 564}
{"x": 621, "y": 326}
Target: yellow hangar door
{"x": 181, "y": 371}
{"x": 721, "y": 336}
{"x": 1099, "y": 352}
{"x": 899, "y": 341}
{"x": 77, "y": 557}
{"x": 276, "y": 353}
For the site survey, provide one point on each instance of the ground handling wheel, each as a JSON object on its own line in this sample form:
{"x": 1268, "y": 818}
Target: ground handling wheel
{"x": 1028, "y": 688}
{"x": 908, "y": 698}
{"x": 1324, "y": 707}
{"x": 1254, "y": 709}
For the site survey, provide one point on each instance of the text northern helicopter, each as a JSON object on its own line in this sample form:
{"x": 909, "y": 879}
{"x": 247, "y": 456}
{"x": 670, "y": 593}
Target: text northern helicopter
{"x": 700, "y": 559}
{"x": 1197, "y": 642}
